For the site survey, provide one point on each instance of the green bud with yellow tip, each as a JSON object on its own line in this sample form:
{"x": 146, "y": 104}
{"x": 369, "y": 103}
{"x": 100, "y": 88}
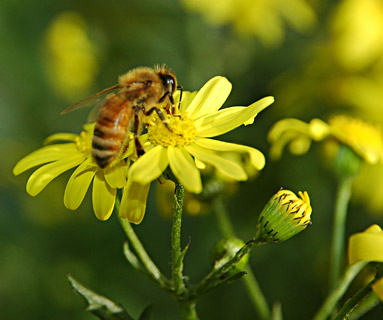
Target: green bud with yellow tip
{"x": 284, "y": 216}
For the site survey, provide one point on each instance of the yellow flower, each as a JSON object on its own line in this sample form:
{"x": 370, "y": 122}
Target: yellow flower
{"x": 284, "y": 216}
{"x": 264, "y": 19}
{"x": 187, "y": 148}
{"x": 367, "y": 246}
{"x": 364, "y": 139}
{"x": 70, "y": 55}
{"x": 58, "y": 158}
{"x": 357, "y": 32}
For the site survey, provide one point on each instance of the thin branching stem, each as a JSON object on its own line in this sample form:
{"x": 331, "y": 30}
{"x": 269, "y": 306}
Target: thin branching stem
{"x": 332, "y": 299}
{"x": 152, "y": 270}
{"x": 255, "y": 293}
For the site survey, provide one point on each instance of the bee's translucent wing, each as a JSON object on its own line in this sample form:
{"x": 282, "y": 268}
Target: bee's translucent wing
{"x": 93, "y": 114}
{"x": 92, "y": 100}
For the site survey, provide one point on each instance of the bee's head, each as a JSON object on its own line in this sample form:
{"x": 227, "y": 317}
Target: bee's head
{"x": 169, "y": 82}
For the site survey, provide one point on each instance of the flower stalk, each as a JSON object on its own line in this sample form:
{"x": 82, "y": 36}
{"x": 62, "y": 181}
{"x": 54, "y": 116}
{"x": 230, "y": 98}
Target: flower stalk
{"x": 176, "y": 239}
{"x": 332, "y": 299}
{"x": 255, "y": 293}
{"x": 150, "y": 267}
{"x": 355, "y": 300}
{"x": 343, "y": 196}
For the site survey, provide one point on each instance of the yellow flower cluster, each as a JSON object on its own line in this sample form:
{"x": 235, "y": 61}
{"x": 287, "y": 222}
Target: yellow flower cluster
{"x": 186, "y": 149}
{"x": 264, "y": 19}
{"x": 364, "y": 139}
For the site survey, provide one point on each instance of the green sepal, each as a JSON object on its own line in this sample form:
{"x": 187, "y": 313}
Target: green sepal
{"x": 102, "y": 307}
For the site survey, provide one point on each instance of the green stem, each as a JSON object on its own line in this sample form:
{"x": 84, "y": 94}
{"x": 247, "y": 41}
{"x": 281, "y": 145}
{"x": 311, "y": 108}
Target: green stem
{"x": 153, "y": 272}
{"x": 188, "y": 310}
{"x": 353, "y": 302}
{"x": 255, "y": 293}
{"x": 338, "y": 239}
{"x": 329, "y": 304}
{"x": 176, "y": 239}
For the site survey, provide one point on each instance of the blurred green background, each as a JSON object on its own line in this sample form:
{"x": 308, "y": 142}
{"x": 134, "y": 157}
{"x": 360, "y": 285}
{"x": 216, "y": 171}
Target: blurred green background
{"x": 317, "y": 58}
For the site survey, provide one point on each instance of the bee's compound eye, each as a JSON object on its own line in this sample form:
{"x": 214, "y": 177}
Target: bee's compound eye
{"x": 169, "y": 82}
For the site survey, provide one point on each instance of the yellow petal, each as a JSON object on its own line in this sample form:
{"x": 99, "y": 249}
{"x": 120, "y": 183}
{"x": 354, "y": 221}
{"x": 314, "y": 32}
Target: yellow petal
{"x": 42, "y": 176}
{"x": 209, "y": 98}
{"x": 225, "y": 120}
{"x": 187, "y": 98}
{"x": 61, "y": 137}
{"x": 257, "y": 159}
{"x": 150, "y": 166}
{"x": 78, "y": 185}
{"x": 366, "y": 246}
{"x": 133, "y": 202}
{"x": 103, "y": 197}
{"x": 184, "y": 169}
{"x": 199, "y": 164}
{"x": 225, "y": 166}
{"x": 115, "y": 176}
{"x": 45, "y": 155}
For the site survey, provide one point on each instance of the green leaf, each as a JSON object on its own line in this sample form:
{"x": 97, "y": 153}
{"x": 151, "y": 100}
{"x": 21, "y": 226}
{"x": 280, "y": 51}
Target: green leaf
{"x": 180, "y": 262}
{"x": 100, "y": 306}
{"x": 132, "y": 258}
{"x": 146, "y": 313}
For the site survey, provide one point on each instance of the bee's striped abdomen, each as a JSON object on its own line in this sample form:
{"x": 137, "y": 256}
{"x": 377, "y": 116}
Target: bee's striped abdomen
{"x": 111, "y": 130}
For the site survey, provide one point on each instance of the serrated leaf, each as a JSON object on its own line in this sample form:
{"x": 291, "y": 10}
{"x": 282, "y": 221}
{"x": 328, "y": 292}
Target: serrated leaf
{"x": 100, "y": 306}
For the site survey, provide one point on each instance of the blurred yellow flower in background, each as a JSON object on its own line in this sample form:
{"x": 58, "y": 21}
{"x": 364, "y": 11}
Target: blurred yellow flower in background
{"x": 187, "y": 148}
{"x": 367, "y": 246}
{"x": 71, "y": 55}
{"x": 55, "y": 159}
{"x": 357, "y": 27}
{"x": 364, "y": 139}
{"x": 264, "y": 19}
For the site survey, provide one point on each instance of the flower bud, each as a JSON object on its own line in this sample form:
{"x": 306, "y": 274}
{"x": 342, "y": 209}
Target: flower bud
{"x": 225, "y": 249}
{"x": 284, "y": 216}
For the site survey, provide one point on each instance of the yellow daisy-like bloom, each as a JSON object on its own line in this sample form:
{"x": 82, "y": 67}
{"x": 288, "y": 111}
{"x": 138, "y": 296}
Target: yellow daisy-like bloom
{"x": 364, "y": 139}
{"x": 58, "y": 158}
{"x": 187, "y": 148}
{"x": 368, "y": 246}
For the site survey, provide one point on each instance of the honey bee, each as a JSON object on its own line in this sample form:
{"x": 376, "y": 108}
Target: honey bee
{"x": 139, "y": 92}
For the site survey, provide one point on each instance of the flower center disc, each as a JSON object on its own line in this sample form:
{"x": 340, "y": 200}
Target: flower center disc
{"x": 182, "y": 132}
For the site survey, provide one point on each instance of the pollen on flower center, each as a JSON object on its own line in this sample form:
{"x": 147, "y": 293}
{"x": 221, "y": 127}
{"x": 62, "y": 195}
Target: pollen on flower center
{"x": 84, "y": 141}
{"x": 182, "y": 131}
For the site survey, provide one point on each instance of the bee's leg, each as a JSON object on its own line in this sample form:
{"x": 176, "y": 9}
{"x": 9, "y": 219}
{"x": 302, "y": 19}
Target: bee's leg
{"x": 179, "y": 103}
{"x": 140, "y": 150}
{"x": 160, "y": 115}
